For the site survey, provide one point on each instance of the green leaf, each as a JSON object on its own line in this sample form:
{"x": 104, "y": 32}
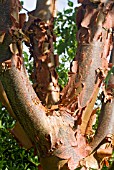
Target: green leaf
{"x": 108, "y": 75}
{"x": 1, "y": 124}
{"x": 70, "y": 3}
{"x": 22, "y": 3}
{"x": 78, "y": 168}
{"x": 107, "y": 78}
{"x": 68, "y": 11}
{"x": 112, "y": 69}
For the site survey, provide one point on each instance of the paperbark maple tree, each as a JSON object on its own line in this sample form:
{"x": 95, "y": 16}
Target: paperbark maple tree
{"x": 56, "y": 123}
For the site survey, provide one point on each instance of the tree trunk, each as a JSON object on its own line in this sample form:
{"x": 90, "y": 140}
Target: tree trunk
{"x": 57, "y": 126}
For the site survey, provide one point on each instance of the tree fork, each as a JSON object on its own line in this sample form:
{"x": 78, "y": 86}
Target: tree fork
{"x": 57, "y": 134}
{"x": 48, "y": 140}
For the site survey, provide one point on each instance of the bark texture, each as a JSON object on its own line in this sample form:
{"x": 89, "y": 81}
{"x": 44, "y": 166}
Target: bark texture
{"x": 58, "y": 126}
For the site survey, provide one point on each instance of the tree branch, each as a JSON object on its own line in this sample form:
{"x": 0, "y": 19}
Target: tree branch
{"x": 40, "y": 29}
{"x": 22, "y": 98}
{"x": 24, "y": 102}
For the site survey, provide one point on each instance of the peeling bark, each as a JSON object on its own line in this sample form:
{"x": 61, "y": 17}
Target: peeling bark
{"x": 18, "y": 80}
{"x": 57, "y": 128}
{"x": 106, "y": 120}
{"x": 40, "y": 31}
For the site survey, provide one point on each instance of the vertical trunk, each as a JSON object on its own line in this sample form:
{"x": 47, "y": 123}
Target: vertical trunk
{"x": 40, "y": 27}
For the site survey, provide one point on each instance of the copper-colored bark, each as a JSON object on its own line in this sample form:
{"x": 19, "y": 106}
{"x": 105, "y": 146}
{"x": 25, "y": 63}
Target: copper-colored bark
{"x": 40, "y": 32}
{"x": 58, "y": 127}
